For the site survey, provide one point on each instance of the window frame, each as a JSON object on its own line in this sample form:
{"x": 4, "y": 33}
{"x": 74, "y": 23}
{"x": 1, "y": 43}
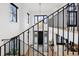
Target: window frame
{"x": 39, "y": 16}
{"x": 13, "y": 5}
{"x": 72, "y": 13}
{"x": 72, "y": 22}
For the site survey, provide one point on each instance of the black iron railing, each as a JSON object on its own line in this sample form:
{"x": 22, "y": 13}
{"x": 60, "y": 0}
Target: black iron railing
{"x": 26, "y": 43}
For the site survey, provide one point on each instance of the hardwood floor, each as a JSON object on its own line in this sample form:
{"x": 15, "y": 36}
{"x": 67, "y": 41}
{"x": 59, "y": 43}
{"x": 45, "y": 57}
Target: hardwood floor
{"x": 50, "y": 53}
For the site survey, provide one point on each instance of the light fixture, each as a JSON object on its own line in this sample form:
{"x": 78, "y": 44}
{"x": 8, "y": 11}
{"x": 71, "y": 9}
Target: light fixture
{"x": 28, "y": 17}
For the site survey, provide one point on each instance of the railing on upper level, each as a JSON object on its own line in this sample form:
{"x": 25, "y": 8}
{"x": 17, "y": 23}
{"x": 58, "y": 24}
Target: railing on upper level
{"x": 59, "y": 24}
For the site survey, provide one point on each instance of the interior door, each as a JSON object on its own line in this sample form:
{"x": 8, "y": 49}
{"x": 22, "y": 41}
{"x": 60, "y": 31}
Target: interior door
{"x": 40, "y": 37}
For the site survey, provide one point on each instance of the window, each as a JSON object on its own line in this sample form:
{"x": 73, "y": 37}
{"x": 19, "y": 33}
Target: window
{"x": 39, "y": 18}
{"x": 13, "y": 12}
{"x": 72, "y": 15}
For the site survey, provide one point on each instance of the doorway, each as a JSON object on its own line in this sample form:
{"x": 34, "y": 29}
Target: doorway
{"x": 40, "y": 37}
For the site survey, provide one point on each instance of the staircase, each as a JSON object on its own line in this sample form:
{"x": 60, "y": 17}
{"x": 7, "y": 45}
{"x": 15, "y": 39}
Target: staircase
{"x": 58, "y": 37}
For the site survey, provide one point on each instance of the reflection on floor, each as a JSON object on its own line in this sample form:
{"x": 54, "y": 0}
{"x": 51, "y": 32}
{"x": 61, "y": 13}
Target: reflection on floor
{"x": 49, "y": 52}
{"x": 41, "y": 49}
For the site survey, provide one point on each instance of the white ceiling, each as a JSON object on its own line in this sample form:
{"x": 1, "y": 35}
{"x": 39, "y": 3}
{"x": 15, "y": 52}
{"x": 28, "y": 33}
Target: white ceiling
{"x": 44, "y": 8}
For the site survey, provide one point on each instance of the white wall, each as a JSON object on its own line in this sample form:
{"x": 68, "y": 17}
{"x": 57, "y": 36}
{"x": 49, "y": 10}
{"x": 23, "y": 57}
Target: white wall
{"x": 8, "y": 29}
{"x": 22, "y": 17}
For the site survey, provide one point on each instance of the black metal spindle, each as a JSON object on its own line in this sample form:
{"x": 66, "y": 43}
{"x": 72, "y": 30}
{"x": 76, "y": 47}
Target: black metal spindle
{"x": 23, "y": 43}
{"x": 63, "y": 32}
{"x": 73, "y": 39}
{"x": 43, "y": 35}
{"x": 28, "y": 42}
{"x": 52, "y": 45}
{"x": 78, "y": 40}
{"x": 48, "y": 38}
{"x": 37, "y": 35}
{"x": 0, "y": 51}
{"x": 73, "y": 32}
{"x": 58, "y": 31}
{"x": 19, "y": 45}
{"x": 4, "y": 49}
{"x": 33, "y": 40}
{"x": 14, "y": 47}
{"x": 68, "y": 41}
{"x": 9, "y": 47}
{"x": 77, "y": 14}
{"x": 68, "y": 28}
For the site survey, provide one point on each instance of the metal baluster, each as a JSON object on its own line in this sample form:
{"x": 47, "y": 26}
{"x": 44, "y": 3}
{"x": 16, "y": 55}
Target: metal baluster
{"x": 19, "y": 45}
{"x": 77, "y": 14}
{"x": 76, "y": 19}
{"x": 14, "y": 46}
{"x": 63, "y": 31}
{"x": 28, "y": 42}
{"x": 4, "y": 49}
{"x": 23, "y": 43}
{"x": 33, "y": 40}
{"x": 68, "y": 41}
{"x": 0, "y": 51}
{"x": 78, "y": 26}
{"x": 78, "y": 40}
{"x": 37, "y": 35}
{"x": 48, "y": 38}
{"x": 58, "y": 31}
{"x": 73, "y": 39}
{"x": 68, "y": 36}
{"x": 43, "y": 35}
{"x": 68, "y": 33}
{"x": 73, "y": 34}
{"x": 52, "y": 34}
{"x": 9, "y": 47}
{"x": 33, "y": 35}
